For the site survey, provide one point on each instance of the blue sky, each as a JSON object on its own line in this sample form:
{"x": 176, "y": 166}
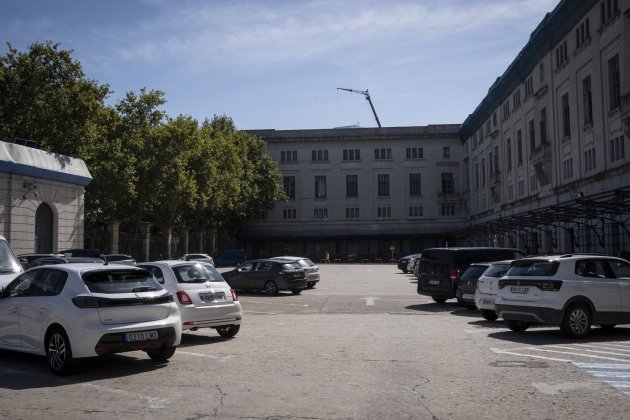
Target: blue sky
{"x": 278, "y": 63}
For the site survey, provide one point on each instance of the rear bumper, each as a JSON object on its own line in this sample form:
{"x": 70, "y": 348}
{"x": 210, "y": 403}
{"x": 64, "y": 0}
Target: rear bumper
{"x": 433, "y": 292}
{"x": 115, "y": 342}
{"x": 210, "y": 316}
{"x": 485, "y": 300}
{"x": 538, "y": 314}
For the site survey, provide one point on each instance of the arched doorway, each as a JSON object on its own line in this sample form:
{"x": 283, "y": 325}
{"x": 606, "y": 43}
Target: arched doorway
{"x": 44, "y": 229}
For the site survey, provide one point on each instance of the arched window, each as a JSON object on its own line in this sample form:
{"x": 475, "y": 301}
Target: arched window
{"x": 44, "y": 229}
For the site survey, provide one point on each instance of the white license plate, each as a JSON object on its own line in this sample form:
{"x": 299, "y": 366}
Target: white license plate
{"x": 519, "y": 290}
{"x": 434, "y": 282}
{"x": 212, "y": 297}
{"x": 140, "y": 336}
{"x": 468, "y": 296}
{"x": 487, "y": 301}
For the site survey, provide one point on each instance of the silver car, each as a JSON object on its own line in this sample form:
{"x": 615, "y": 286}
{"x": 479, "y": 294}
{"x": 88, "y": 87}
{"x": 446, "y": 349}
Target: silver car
{"x": 310, "y": 268}
{"x": 204, "y": 298}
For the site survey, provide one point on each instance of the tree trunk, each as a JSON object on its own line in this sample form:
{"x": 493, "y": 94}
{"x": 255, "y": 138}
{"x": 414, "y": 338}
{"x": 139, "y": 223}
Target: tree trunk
{"x": 168, "y": 236}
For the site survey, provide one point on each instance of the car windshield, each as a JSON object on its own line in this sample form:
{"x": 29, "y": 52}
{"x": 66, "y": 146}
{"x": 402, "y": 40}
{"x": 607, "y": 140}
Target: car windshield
{"x": 120, "y": 281}
{"x": 533, "y": 268}
{"x": 8, "y": 261}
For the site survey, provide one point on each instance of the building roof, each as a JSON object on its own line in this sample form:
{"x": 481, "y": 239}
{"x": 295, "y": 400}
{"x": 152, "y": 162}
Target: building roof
{"x": 27, "y": 161}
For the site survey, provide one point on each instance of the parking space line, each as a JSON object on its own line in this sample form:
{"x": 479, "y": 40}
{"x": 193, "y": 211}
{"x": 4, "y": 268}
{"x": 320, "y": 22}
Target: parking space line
{"x": 512, "y": 353}
{"x": 616, "y": 375}
{"x": 589, "y": 350}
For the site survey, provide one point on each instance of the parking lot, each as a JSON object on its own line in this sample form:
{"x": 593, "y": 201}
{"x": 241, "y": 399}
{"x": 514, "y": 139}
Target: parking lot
{"x": 362, "y": 344}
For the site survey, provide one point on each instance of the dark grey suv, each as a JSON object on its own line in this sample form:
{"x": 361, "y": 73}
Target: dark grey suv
{"x": 269, "y": 275}
{"x": 440, "y": 269}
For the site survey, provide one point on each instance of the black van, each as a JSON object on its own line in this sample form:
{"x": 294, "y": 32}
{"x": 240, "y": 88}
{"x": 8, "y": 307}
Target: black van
{"x": 440, "y": 268}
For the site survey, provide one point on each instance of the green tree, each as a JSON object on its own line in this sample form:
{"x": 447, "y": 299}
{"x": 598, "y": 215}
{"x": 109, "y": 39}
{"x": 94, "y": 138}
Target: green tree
{"x": 45, "y": 96}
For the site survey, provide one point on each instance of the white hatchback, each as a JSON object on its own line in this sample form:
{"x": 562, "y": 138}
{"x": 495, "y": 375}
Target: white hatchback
{"x": 204, "y": 298}
{"x": 71, "y": 311}
{"x": 488, "y": 287}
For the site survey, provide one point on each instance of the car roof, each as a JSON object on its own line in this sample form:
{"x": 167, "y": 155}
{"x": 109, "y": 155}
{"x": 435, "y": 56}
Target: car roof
{"x": 83, "y": 267}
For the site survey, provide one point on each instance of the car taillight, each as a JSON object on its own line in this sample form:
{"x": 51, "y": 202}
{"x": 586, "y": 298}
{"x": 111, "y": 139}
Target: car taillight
{"x": 454, "y": 276}
{"x": 87, "y": 301}
{"x": 234, "y": 295}
{"x": 183, "y": 298}
{"x": 549, "y": 285}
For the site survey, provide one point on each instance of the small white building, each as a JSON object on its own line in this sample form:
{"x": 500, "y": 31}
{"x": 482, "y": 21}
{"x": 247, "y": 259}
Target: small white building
{"x": 41, "y": 199}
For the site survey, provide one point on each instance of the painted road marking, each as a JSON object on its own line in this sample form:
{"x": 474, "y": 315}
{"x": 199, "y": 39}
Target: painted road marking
{"x": 573, "y": 352}
{"x": 616, "y": 375}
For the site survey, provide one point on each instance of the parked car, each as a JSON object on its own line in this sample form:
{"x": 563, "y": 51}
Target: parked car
{"x": 403, "y": 262}
{"x": 572, "y": 291}
{"x": 64, "y": 260}
{"x": 204, "y": 298}
{"x": 411, "y": 265}
{"x": 86, "y": 310}
{"x": 440, "y": 269}
{"x": 231, "y": 258}
{"x": 119, "y": 259}
{"x": 269, "y": 275}
{"x": 487, "y": 288}
{"x": 310, "y": 268}
{"x": 27, "y": 258}
{"x": 81, "y": 252}
{"x": 197, "y": 257}
{"x": 465, "y": 293}
{"x": 9, "y": 264}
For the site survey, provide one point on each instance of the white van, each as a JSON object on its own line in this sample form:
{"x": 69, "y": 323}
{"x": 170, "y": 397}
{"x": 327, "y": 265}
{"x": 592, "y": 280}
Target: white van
{"x": 10, "y": 266}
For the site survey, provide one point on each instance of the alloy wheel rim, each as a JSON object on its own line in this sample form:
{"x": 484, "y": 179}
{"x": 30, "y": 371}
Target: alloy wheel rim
{"x": 56, "y": 351}
{"x": 578, "y": 321}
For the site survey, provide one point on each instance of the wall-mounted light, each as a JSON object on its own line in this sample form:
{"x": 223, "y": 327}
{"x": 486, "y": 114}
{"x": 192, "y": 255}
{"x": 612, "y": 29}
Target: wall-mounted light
{"x": 29, "y": 188}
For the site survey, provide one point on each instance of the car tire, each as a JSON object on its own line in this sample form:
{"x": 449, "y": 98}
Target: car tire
{"x": 162, "y": 354}
{"x": 489, "y": 315}
{"x": 228, "y": 331}
{"x": 310, "y": 285}
{"x": 271, "y": 288}
{"x": 405, "y": 270}
{"x": 59, "y": 352}
{"x": 296, "y": 291}
{"x": 517, "y": 326}
{"x": 438, "y": 299}
{"x": 577, "y": 321}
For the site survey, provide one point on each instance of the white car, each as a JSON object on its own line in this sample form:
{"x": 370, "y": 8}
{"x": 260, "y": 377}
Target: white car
{"x": 10, "y": 265}
{"x": 71, "y": 311}
{"x": 198, "y": 257}
{"x": 573, "y": 291}
{"x": 487, "y": 288}
{"x": 204, "y": 298}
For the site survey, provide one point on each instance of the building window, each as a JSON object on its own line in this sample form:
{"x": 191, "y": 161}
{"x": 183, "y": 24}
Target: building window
{"x": 415, "y": 211}
{"x": 521, "y": 188}
{"x": 508, "y": 150}
{"x": 490, "y": 163}
{"x": 446, "y": 152}
{"x": 320, "y": 213}
{"x": 516, "y": 99}
{"x": 383, "y": 212}
{"x": 320, "y": 186}
{"x": 529, "y": 86}
{"x": 543, "y": 126}
{"x": 608, "y": 10}
{"x": 288, "y": 183}
{"x": 582, "y": 33}
{"x": 532, "y": 137}
{"x": 383, "y": 185}
{"x": 415, "y": 153}
{"x": 383, "y": 154}
{"x": 448, "y": 210}
{"x": 352, "y": 212}
{"x": 483, "y": 172}
{"x": 352, "y": 186}
{"x": 496, "y": 159}
{"x": 562, "y": 55}
{"x": 415, "y": 185}
{"x": 351, "y": 154}
{"x": 494, "y": 119}
{"x": 587, "y": 101}
{"x": 589, "y": 160}
{"x": 617, "y": 149}
{"x": 289, "y": 214}
{"x": 506, "y": 110}
{"x": 541, "y": 72}
{"x": 519, "y": 147}
{"x": 567, "y": 168}
{"x": 614, "y": 83}
{"x": 288, "y": 156}
{"x": 448, "y": 183}
{"x": 476, "y": 177}
{"x": 566, "y": 116}
{"x": 319, "y": 155}
{"x": 510, "y": 190}
{"x": 533, "y": 184}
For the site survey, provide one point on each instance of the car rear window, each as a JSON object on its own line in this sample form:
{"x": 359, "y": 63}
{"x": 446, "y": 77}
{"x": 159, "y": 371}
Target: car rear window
{"x": 196, "y": 273}
{"x": 533, "y": 268}
{"x": 474, "y": 271}
{"x": 291, "y": 266}
{"x": 497, "y": 270}
{"x": 120, "y": 281}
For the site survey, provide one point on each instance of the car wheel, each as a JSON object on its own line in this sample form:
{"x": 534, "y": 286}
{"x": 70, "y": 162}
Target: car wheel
{"x": 296, "y": 291}
{"x": 162, "y": 354}
{"x": 271, "y": 288}
{"x": 489, "y": 315}
{"x": 59, "y": 352}
{"x": 439, "y": 299}
{"x": 310, "y": 285}
{"x": 517, "y": 326}
{"x": 405, "y": 270}
{"x": 577, "y": 321}
{"x": 608, "y": 326}
{"x": 228, "y": 331}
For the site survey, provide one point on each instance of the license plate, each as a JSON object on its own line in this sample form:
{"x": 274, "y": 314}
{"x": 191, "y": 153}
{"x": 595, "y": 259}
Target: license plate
{"x": 140, "y": 336}
{"x": 519, "y": 290}
{"x": 468, "y": 296}
{"x": 434, "y": 282}
{"x": 487, "y": 301}
{"x": 212, "y": 297}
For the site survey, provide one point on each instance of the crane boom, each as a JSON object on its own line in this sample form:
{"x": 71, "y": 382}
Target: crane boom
{"x": 367, "y": 96}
